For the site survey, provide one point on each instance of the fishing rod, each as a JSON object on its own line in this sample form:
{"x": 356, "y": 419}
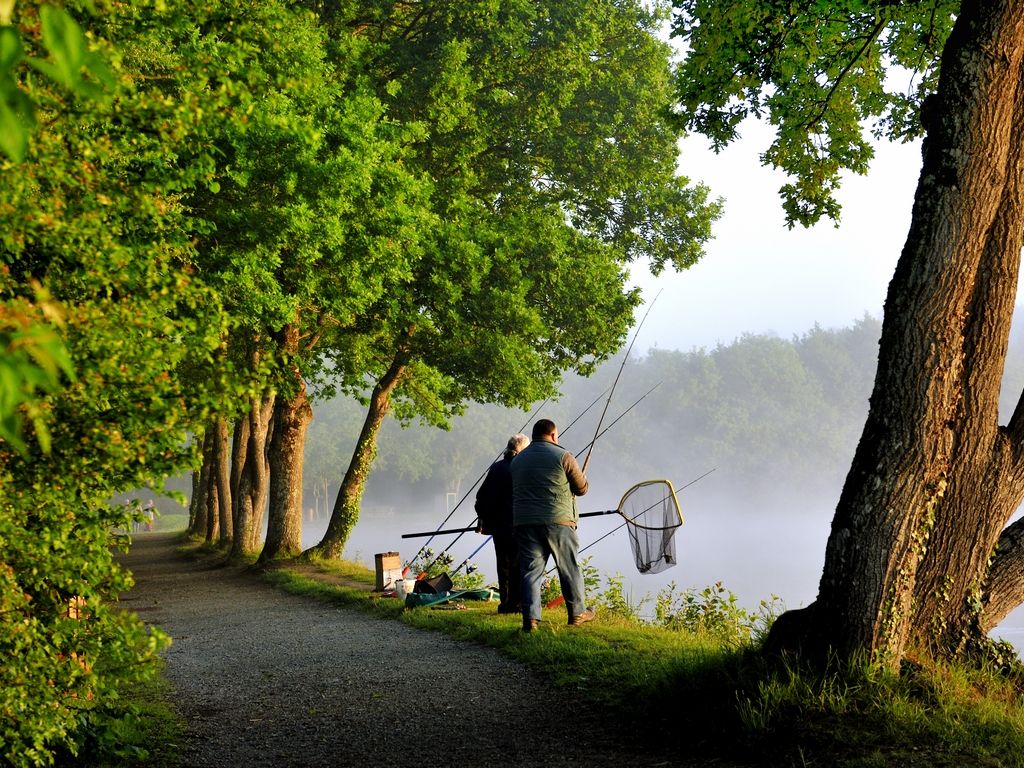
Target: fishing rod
{"x": 618, "y": 418}
{"x": 615, "y": 383}
{"x": 584, "y": 514}
{"x": 452, "y": 512}
{"x": 462, "y": 531}
{"x": 440, "y": 532}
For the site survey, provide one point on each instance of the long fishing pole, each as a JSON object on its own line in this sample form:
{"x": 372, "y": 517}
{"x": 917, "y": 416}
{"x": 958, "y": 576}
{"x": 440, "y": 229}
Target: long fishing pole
{"x": 472, "y": 528}
{"x": 449, "y": 517}
{"x": 471, "y": 556}
{"x": 625, "y": 358}
{"x": 440, "y": 532}
{"x": 618, "y": 418}
{"x": 462, "y": 531}
{"x": 585, "y": 514}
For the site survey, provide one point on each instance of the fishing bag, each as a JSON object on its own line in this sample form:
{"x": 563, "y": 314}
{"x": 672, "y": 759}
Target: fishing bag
{"x": 437, "y": 585}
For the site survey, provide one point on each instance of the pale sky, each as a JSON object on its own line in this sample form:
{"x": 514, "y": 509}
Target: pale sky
{"x": 760, "y": 277}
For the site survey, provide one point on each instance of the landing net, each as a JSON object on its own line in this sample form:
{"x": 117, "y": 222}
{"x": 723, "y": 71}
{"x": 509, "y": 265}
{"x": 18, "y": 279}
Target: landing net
{"x": 652, "y": 515}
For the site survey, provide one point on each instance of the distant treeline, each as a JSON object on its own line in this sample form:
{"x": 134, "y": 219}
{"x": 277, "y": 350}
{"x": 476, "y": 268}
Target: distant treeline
{"x": 776, "y": 418}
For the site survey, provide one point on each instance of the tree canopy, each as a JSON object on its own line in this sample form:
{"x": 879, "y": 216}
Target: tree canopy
{"x": 553, "y": 167}
{"x": 204, "y": 205}
{"x": 95, "y": 235}
{"x": 828, "y": 75}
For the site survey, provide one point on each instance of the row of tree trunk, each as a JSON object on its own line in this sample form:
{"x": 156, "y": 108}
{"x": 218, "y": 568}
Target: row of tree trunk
{"x": 251, "y": 475}
{"x": 231, "y": 489}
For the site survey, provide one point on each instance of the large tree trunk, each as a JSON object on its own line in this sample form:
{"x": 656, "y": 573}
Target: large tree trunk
{"x": 222, "y": 471}
{"x": 193, "y": 502}
{"x": 287, "y": 449}
{"x": 934, "y": 479}
{"x": 250, "y": 472}
{"x": 200, "y": 499}
{"x": 212, "y": 497}
{"x": 346, "y": 506}
{"x": 985, "y": 486}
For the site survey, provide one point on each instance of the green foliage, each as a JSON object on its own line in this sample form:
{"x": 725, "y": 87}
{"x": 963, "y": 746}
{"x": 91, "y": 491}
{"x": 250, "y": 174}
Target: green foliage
{"x": 93, "y": 215}
{"x": 75, "y": 651}
{"x": 72, "y": 63}
{"x": 35, "y": 361}
{"x": 313, "y": 216}
{"x": 713, "y": 611}
{"x": 616, "y": 600}
{"x": 551, "y": 587}
{"x": 820, "y": 72}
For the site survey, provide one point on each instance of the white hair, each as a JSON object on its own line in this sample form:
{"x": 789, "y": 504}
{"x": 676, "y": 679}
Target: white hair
{"x": 516, "y": 443}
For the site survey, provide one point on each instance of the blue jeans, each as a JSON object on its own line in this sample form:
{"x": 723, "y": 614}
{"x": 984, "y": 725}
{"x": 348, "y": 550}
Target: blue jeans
{"x": 536, "y": 542}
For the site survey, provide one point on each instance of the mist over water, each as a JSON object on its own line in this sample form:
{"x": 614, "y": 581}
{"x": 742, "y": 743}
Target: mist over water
{"x": 777, "y": 420}
{"x": 760, "y": 552}
{"x": 756, "y": 552}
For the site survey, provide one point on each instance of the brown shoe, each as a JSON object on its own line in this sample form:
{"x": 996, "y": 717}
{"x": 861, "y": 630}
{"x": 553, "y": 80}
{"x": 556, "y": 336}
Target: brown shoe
{"x": 530, "y": 625}
{"x": 583, "y": 618}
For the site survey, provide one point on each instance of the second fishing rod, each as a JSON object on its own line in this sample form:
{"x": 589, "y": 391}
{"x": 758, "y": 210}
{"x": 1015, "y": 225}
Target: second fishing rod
{"x": 464, "y": 530}
{"x": 597, "y": 432}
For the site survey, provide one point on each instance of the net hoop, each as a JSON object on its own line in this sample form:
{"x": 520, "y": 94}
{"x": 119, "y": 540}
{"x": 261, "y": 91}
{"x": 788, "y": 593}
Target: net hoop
{"x": 643, "y": 505}
{"x": 670, "y": 494}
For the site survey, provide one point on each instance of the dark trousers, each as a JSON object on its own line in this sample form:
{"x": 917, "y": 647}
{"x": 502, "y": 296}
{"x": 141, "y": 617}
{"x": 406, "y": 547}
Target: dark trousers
{"x": 506, "y": 553}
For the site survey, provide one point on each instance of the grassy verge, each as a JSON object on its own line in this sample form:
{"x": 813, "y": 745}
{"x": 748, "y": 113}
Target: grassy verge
{"x": 148, "y": 733}
{"x": 711, "y": 693}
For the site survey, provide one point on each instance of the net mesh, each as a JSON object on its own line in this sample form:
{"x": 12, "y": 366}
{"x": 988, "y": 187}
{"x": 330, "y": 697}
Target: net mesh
{"x": 652, "y": 516}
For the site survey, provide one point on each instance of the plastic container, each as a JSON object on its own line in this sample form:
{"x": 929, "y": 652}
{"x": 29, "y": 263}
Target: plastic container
{"x": 404, "y": 587}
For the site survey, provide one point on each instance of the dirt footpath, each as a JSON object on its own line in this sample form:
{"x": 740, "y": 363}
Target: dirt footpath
{"x": 266, "y": 678}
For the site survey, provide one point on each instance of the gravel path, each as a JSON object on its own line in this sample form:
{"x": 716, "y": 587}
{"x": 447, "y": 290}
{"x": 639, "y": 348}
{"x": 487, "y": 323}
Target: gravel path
{"x": 266, "y": 678}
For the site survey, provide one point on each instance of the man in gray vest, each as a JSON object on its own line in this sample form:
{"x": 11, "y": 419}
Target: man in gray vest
{"x": 545, "y": 483}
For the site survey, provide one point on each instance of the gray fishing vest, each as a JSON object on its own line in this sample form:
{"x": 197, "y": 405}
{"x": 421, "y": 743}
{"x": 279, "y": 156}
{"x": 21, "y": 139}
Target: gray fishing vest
{"x": 540, "y": 489}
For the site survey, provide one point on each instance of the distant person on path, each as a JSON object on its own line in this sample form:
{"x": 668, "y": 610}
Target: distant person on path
{"x": 494, "y": 511}
{"x": 545, "y": 483}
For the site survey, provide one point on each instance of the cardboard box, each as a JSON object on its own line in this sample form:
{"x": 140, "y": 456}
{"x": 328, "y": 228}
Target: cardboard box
{"x": 388, "y": 566}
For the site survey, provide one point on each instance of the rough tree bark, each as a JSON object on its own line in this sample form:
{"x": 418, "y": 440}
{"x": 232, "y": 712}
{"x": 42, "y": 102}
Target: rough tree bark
{"x": 250, "y": 473}
{"x": 200, "y": 499}
{"x": 193, "y": 502}
{"x": 292, "y": 416}
{"x": 212, "y": 497}
{"x": 345, "y": 513}
{"x": 935, "y": 478}
{"x": 222, "y": 478}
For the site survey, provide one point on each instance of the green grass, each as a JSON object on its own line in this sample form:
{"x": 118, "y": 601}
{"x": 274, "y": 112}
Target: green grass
{"x": 936, "y": 715}
{"x": 149, "y": 738}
